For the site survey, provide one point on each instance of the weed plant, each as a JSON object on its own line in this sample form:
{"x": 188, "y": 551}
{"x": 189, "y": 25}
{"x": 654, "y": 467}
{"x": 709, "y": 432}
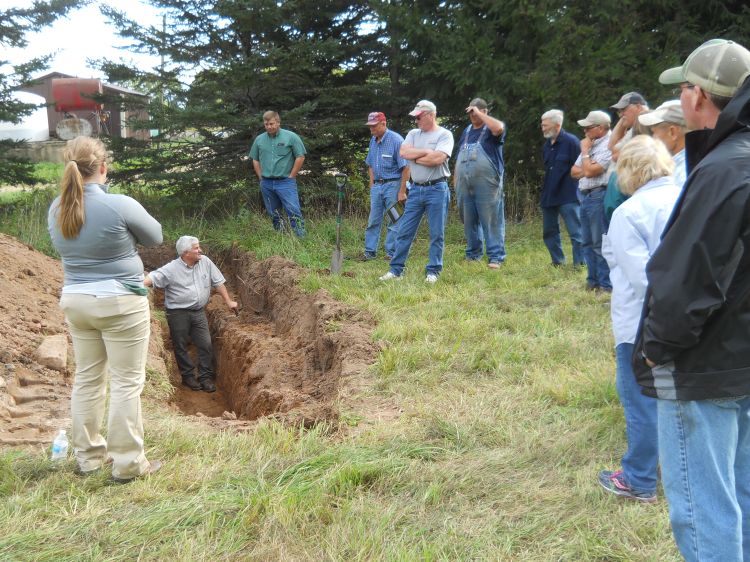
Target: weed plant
{"x": 500, "y": 390}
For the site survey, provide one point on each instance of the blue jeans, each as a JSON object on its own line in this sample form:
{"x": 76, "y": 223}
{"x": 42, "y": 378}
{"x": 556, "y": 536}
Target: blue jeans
{"x": 704, "y": 451}
{"x": 640, "y": 460}
{"x": 592, "y": 228}
{"x": 570, "y": 213}
{"x": 484, "y": 218}
{"x": 382, "y": 196}
{"x": 278, "y": 194}
{"x": 433, "y": 201}
{"x": 481, "y": 204}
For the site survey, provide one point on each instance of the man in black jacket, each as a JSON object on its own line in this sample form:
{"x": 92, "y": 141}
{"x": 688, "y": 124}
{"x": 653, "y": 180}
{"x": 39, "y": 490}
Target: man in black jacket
{"x": 693, "y": 352}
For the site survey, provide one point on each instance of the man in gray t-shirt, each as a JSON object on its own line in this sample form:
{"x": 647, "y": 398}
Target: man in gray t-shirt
{"x": 187, "y": 283}
{"x": 427, "y": 148}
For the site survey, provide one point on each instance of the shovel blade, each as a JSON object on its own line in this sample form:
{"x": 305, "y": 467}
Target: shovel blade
{"x": 336, "y": 261}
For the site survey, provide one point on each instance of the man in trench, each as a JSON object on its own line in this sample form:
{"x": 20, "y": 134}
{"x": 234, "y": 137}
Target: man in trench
{"x": 187, "y": 282}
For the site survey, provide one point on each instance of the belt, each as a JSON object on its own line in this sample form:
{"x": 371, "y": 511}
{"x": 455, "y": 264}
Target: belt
{"x": 386, "y": 180}
{"x": 275, "y": 177}
{"x": 426, "y": 183}
{"x": 595, "y": 190}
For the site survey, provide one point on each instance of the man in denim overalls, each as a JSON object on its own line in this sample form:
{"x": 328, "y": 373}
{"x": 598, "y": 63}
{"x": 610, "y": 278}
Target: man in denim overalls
{"x": 479, "y": 185}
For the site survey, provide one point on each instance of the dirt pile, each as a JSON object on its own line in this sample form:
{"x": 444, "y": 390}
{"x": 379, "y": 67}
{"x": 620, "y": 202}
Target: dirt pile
{"x": 288, "y": 354}
{"x": 34, "y": 400}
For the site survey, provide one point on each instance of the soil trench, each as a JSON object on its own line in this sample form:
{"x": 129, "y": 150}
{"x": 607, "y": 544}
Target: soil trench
{"x": 287, "y": 354}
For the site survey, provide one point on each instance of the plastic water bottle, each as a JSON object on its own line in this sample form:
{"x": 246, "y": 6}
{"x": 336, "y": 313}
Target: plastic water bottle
{"x": 60, "y": 446}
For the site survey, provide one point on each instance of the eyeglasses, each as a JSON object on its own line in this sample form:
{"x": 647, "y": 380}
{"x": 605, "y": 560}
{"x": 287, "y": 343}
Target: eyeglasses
{"x": 683, "y": 86}
{"x": 591, "y": 127}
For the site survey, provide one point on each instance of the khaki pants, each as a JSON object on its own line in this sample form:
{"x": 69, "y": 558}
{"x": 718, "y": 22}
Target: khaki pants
{"x": 109, "y": 334}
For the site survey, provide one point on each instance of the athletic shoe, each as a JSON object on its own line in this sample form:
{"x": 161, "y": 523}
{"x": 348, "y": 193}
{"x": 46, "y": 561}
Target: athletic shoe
{"x": 494, "y": 265}
{"x": 390, "y": 275}
{"x": 616, "y": 483}
{"x": 431, "y": 278}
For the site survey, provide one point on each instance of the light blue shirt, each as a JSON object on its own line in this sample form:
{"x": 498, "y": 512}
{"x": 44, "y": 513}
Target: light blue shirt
{"x": 633, "y": 236}
{"x": 384, "y": 157}
{"x": 680, "y": 168}
{"x": 105, "y": 247}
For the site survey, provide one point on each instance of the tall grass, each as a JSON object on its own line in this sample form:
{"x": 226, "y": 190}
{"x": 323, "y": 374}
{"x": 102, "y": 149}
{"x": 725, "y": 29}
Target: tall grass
{"x": 501, "y": 408}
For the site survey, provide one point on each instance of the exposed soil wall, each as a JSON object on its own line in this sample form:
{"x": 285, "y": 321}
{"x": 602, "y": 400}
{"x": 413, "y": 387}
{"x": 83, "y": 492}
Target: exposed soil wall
{"x": 287, "y": 353}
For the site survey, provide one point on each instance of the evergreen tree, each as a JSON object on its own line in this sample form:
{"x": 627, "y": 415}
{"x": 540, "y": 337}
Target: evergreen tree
{"x": 15, "y": 23}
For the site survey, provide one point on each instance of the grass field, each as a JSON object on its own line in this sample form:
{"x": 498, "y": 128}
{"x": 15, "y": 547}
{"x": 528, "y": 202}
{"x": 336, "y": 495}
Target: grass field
{"x": 505, "y": 381}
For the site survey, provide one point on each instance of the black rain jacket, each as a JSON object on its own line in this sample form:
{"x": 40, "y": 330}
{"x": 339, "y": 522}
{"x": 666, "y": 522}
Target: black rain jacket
{"x": 696, "y": 318}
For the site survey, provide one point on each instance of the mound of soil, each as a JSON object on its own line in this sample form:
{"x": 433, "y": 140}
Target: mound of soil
{"x": 288, "y": 354}
{"x": 34, "y": 400}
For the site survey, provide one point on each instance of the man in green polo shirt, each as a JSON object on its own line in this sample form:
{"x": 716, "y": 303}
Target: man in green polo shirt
{"x": 277, "y": 156}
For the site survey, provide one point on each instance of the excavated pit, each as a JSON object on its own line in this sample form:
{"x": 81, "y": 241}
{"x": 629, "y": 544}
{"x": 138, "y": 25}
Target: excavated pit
{"x": 287, "y": 354}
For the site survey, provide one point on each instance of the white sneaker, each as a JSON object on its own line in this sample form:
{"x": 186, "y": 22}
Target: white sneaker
{"x": 390, "y": 275}
{"x": 431, "y": 278}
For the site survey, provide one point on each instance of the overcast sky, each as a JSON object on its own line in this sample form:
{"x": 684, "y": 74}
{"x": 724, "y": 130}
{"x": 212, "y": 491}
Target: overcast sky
{"x": 84, "y": 34}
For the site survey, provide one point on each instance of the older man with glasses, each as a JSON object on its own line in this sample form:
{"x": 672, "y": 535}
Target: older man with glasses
{"x": 693, "y": 353}
{"x": 590, "y": 169}
{"x": 427, "y": 148}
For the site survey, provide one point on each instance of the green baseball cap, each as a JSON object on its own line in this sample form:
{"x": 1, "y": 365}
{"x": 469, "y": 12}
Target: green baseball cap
{"x": 718, "y": 67}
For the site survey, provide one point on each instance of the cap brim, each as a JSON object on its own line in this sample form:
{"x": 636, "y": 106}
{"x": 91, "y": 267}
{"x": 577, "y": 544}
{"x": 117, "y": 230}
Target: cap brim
{"x": 650, "y": 119}
{"x": 370, "y": 123}
{"x": 584, "y": 123}
{"x": 416, "y": 112}
{"x": 672, "y": 76}
{"x": 620, "y": 105}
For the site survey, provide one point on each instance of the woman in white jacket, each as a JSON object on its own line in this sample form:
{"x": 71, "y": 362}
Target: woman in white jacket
{"x": 644, "y": 171}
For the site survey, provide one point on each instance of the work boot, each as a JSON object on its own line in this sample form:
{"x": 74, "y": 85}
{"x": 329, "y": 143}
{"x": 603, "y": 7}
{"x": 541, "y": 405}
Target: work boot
{"x": 191, "y": 383}
{"x": 208, "y": 385}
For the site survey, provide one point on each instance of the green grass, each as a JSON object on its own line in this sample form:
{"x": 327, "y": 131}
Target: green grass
{"x": 505, "y": 384}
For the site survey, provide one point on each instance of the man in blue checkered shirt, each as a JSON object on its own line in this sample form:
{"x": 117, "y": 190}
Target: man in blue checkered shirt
{"x": 388, "y": 176}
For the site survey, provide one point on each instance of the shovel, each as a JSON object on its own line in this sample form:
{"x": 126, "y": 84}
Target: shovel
{"x": 338, "y": 257}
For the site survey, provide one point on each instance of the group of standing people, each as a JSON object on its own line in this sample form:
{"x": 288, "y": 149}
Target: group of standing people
{"x": 416, "y": 171}
{"x": 671, "y": 242}
{"x": 674, "y": 251}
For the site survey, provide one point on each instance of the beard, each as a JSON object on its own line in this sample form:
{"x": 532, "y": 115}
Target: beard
{"x": 549, "y": 134}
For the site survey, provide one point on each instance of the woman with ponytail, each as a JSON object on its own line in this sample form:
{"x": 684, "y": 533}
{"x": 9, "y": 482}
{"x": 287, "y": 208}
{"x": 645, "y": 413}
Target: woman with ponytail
{"x": 106, "y": 309}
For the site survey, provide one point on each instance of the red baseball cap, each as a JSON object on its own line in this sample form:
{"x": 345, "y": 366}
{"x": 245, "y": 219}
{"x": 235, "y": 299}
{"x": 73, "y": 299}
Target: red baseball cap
{"x": 375, "y": 117}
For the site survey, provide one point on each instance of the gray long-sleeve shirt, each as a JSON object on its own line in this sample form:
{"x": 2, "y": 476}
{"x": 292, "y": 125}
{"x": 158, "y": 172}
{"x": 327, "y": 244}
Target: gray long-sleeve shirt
{"x": 105, "y": 247}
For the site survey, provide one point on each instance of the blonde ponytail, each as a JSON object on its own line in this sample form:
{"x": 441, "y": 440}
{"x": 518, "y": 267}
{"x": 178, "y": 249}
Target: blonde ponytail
{"x": 82, "y": 156}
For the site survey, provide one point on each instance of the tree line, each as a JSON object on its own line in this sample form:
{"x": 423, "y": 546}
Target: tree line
{"x": 324, "y": 65}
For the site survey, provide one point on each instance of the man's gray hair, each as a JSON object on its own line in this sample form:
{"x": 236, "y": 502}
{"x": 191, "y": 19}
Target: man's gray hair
{"x": 479, "y": 103}
{"x": 185, "y": 244}
{"x": 554, "y": 115}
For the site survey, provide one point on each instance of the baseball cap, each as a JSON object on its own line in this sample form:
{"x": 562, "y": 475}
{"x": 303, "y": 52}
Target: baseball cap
{"x": 595, "y": 118}
{"x": 375, "y": 117}
{"x": 718, "y": 67}
{"x": 668, "y": 112}
{"x": 424, "y": 106}
{"x": 629, "y": 99}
